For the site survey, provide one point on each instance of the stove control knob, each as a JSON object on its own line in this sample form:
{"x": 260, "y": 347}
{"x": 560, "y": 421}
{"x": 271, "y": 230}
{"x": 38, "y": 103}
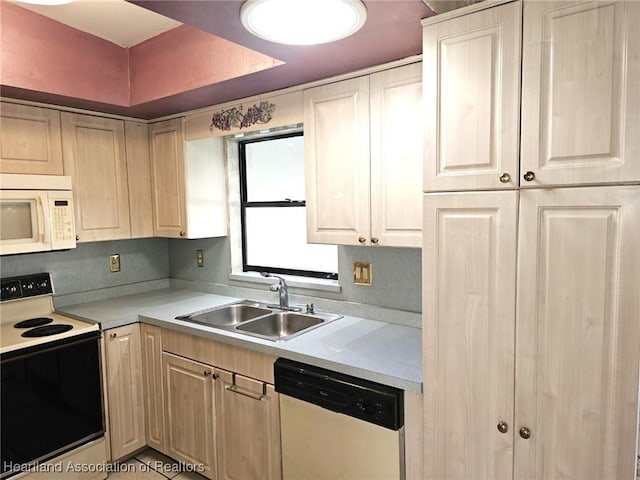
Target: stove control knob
{"x": 29, "y": 286}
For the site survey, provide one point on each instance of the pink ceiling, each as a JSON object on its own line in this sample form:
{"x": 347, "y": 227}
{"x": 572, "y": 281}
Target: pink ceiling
{"x": 187, "y": 68}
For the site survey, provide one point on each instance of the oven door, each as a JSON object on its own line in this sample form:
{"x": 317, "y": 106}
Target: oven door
{"x": 51, "y": 400}
{"x": 24, "y": 216}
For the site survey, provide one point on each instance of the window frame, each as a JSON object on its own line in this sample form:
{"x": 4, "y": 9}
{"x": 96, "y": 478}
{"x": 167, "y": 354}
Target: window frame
{"x": 287, "y": 203}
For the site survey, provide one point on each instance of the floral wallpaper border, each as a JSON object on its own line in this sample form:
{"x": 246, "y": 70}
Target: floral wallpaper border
{"x": 236, "y": 117}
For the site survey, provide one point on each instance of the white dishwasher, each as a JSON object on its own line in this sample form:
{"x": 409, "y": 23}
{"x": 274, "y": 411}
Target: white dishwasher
{"x": 338, "y": 427}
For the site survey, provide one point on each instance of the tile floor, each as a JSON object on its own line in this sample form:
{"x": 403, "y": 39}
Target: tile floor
{"x": 152, "y": 465}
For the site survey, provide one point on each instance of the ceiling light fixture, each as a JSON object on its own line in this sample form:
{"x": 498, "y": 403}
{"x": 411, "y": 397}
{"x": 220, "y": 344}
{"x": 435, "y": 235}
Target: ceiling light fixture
{"x": 303, "y": 22}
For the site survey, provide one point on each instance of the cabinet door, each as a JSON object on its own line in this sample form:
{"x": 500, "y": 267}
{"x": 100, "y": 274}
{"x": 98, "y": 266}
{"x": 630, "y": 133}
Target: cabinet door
{"x": 139, "y": 179}
{"x": 125, "y": 390}
{"x": 396, "y": 157}
{"x": 578, "y": 333}
{"x": 95, "y": 158}
{"x": 469, "y": 274}
{"x": 248, "y": 428}
{"x": 471, "y": 88}
{"x": 336, "y": 150}
{"x": 189, "y": 407}
{"x": 167, "y": 178}
{"x": 581, "y": 92}
{"x": 152, "y": 379}
{"x": 30, "y": 140}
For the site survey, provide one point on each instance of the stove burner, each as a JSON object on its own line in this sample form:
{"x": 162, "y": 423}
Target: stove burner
{"x": 33, "y": 322}
{"x": 47, "y": 330}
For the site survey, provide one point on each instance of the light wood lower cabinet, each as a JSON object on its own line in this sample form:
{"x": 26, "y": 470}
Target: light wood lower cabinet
{"x": 219, "y": 418}
{"x": 189, "y": 412}
{"x": 152, "y": 379}
{"x": 248, "y": 428}
{"x": 125, "y": 390}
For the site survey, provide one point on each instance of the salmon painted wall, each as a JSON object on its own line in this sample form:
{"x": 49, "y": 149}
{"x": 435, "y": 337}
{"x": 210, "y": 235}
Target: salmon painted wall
{"x": 186, "y": 58}
{"x": 41, "y": 54}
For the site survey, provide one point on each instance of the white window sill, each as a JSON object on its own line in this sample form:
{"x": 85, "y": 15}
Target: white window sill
{"x": 292, "y": 281}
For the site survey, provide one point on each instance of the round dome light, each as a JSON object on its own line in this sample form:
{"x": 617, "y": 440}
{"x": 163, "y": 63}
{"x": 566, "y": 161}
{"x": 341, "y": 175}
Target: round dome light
{"x": 303, "y": 22}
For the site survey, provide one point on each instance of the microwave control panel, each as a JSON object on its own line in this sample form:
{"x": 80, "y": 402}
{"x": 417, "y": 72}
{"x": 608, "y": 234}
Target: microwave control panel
{"x": 62, "y": 222}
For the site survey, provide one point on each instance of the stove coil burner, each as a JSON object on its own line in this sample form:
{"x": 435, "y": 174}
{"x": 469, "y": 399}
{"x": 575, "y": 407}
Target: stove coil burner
{"x": 47, "y": 330}
{"x": 33, "y": 322}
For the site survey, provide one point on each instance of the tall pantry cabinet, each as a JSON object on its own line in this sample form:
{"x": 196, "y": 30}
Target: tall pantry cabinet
{"x": 531, "y": 263}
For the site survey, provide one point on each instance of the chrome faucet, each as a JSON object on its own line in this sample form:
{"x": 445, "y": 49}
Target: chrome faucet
{"x": 282, "y": 289}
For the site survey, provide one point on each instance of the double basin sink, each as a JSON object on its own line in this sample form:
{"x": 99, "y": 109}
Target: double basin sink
{"x": 259, "y": 320}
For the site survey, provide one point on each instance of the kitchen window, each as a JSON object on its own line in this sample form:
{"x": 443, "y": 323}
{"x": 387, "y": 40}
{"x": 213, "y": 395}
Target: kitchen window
{"x": 273, "y": 210}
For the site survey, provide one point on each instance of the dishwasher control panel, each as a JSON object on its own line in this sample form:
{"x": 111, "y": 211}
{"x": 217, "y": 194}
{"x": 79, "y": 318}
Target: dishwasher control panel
{"x": 363, "y": 399}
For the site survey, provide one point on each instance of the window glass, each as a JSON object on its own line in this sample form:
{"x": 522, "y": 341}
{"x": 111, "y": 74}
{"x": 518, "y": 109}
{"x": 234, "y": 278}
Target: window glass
{"x": 274, "y": 230}
{"x": 275, "y": 169}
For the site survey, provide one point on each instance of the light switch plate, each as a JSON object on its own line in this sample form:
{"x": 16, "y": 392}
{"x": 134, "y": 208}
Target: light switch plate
{"x": 200, "y": 258}
{"x": 362, "y": 273}
{"x": 114, "y": 263}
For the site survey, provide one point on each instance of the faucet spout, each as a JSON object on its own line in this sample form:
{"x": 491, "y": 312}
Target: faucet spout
{"x": 282, "y": 288}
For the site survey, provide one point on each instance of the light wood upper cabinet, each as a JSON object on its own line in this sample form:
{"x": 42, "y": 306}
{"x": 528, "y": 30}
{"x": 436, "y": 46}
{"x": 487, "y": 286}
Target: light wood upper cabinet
{"x": 578, "y": 331}
{"x": 125, "y": 390}
{"x": 95, "y": 158}
{"x": 153, "y": 390}
{"x": 30, "y": 140}
{"x": 336, "y": 144}
{"x": 581, "y": 92}
{"x": 248, "y": 428}
{"x": 188, "y": 183}
{"x": 396, "y": 114}
{"x": 363, "y": 140}
{"x": 469, "y": 271}
{"x": 471, "y": 88}
{"x": 189, "y": 412}
{"x": 579, "y": 96}
{"x": 139, "y": 179}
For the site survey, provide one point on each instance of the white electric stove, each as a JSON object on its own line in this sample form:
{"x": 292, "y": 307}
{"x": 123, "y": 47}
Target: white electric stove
{"x": 51, "y": 399}
{"x": 27, "y": 316}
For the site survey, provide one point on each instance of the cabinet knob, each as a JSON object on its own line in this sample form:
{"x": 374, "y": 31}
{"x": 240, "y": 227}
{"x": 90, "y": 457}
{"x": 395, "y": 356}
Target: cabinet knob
{"x": 362, "y": 239}
{"x": 113, "y": 335}
{"x": 529, "y": 176}
{"x": 77, "y": 238}
{"x": 503, "y": 427}
{"x": 374, "y": 240}
{"x": 206, "y": 373}
{"x": 525, "y": 433}
{"x": 505, "y": 178}
{"x": 182, "y": 234}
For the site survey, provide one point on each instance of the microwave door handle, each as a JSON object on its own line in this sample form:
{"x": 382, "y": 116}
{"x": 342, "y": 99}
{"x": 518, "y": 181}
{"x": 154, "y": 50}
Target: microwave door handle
{"x": 40, "y": 213}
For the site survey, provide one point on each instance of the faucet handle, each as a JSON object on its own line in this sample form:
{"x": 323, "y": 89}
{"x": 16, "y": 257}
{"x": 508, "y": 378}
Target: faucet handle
{"x": 310, "y": 307}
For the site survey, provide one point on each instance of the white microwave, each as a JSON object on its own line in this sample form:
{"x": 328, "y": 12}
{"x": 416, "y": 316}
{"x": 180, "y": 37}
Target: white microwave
{"x": 36, "y": 213}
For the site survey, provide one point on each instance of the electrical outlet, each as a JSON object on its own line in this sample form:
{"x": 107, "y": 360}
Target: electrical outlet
{"x": 362, "y": 273}
{"x": 199, "y": 258}
{"x": 114, "y": 263}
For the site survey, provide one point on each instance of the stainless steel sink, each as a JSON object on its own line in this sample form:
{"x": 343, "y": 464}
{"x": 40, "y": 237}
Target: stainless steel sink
{"x": 259, "y": 320}
{"x": 278, "y": 326}
{"x": 226, "y": 316}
